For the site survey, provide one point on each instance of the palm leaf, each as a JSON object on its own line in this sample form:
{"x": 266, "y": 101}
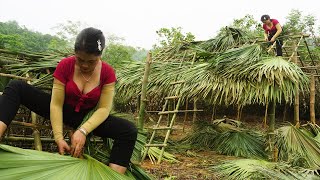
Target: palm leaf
{"x": 241, "y": 143}
{"x": 294, "y": 144}
{"x": 16, "y": 163}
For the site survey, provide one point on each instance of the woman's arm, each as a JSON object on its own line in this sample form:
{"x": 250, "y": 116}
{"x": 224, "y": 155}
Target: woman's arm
{"x": 265, "y": 36}
{"x": 103, "y": 109}
{"x": 279, "y": 30}
{"x": 57, "y": 100}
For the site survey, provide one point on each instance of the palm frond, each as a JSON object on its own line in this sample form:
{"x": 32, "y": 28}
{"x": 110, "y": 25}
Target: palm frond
{"x": 241, "y": 143}
{"x": 154, "y": 154}
{"x": 293, "y": 144}
{"x": 243, "y": 169}
{"x": 17, "y": 163}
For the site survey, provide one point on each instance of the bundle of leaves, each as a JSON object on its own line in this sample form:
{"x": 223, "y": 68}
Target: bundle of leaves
{"x": 241, "y": 143}
{"x": 202, "y": 136}
{"x": 243, "y": 169}
{"x": 226, "y": 137}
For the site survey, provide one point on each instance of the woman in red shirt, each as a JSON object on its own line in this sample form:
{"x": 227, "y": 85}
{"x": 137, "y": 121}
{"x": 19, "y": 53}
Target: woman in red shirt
{"x": 81, "y": 83}
{"x": 272, "y": 29}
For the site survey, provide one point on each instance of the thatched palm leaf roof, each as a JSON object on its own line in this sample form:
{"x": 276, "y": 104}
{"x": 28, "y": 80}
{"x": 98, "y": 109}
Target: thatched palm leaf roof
{"x": 239, "y": 75}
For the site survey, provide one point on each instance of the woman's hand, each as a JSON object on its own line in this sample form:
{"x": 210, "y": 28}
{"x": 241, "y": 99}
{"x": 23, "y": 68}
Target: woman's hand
{"x": 77, "y": 142}
{"x": 63, "y": 146}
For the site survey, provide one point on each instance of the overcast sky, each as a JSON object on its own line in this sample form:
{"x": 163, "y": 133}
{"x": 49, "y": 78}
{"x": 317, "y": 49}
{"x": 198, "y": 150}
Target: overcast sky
{"x": 138, "y": 20}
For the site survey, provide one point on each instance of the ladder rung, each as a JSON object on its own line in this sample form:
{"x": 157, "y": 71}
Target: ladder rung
{"x": 155, "y": 145}
{"x": 177, "y": 82}
{"x": 168, "y": 112}
{"x": 180, "y": 111}
{"x": 172, "y": 97}
{"x": 161, "y": 128}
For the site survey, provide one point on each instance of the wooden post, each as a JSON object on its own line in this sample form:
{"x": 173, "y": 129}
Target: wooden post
{"x": 144, "y": 92}
{"x": 312, "y": 100}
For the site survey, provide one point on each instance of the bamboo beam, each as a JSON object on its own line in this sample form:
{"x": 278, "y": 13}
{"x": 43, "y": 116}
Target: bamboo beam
{"x": 16, "y": 77}
{"x": 14, "y": 138}
{"x": 34, "y": 126}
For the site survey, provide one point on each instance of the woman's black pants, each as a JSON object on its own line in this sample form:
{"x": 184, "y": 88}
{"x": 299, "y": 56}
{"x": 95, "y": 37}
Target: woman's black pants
{"x": 279, "y": 43}
{"x": 123, "y": 132}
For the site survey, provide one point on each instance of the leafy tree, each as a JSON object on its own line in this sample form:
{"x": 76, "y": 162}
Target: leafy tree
{"x": 69, "y": 31}
{"x": 19, "y": 38}
{"x": 248, "y": 24}
{"x": 297, "y": 23}
{"x": 116, "y": 53}
{"x": 173, "y": 37}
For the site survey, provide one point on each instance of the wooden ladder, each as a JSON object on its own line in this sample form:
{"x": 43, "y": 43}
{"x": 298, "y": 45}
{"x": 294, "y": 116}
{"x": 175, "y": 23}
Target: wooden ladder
{"x": 168, "y": 128}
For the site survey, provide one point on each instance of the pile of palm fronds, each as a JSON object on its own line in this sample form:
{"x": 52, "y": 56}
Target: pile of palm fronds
{"x": 243, "y": 169}
{"x": 298, "y": 153}
{"x": 226, "y": 137}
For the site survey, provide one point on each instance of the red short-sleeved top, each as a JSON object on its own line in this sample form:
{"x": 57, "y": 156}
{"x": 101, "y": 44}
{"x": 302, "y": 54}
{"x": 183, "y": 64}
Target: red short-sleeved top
{"x": 273, "y": 29}
{"x": 73, "y": 96}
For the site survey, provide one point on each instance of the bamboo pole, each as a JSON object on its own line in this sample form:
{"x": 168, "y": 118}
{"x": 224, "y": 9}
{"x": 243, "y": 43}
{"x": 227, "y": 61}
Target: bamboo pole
{"x": 284, "y": 118}
{"x": 265, "y": 116}
{"x": 16, "y": 77}
{"x": 239, "y": 112}
{"x": 36, "y": 133}
{"x": 144, "y": 92}
{"x": 271, "y": 134}
{"x": 195, "y": 110}
{"x": 185, "y": 115}
{"x": 312, "y": 100}
{"x": 296, "y": 98}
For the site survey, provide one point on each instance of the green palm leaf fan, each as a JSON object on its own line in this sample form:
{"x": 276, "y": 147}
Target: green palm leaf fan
{"x": 17, "y": 163}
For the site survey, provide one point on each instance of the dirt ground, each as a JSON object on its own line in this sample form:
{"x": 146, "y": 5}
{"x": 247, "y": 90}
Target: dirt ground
{"x": 190, "y": 167}
{"x": 187, "y": 167}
